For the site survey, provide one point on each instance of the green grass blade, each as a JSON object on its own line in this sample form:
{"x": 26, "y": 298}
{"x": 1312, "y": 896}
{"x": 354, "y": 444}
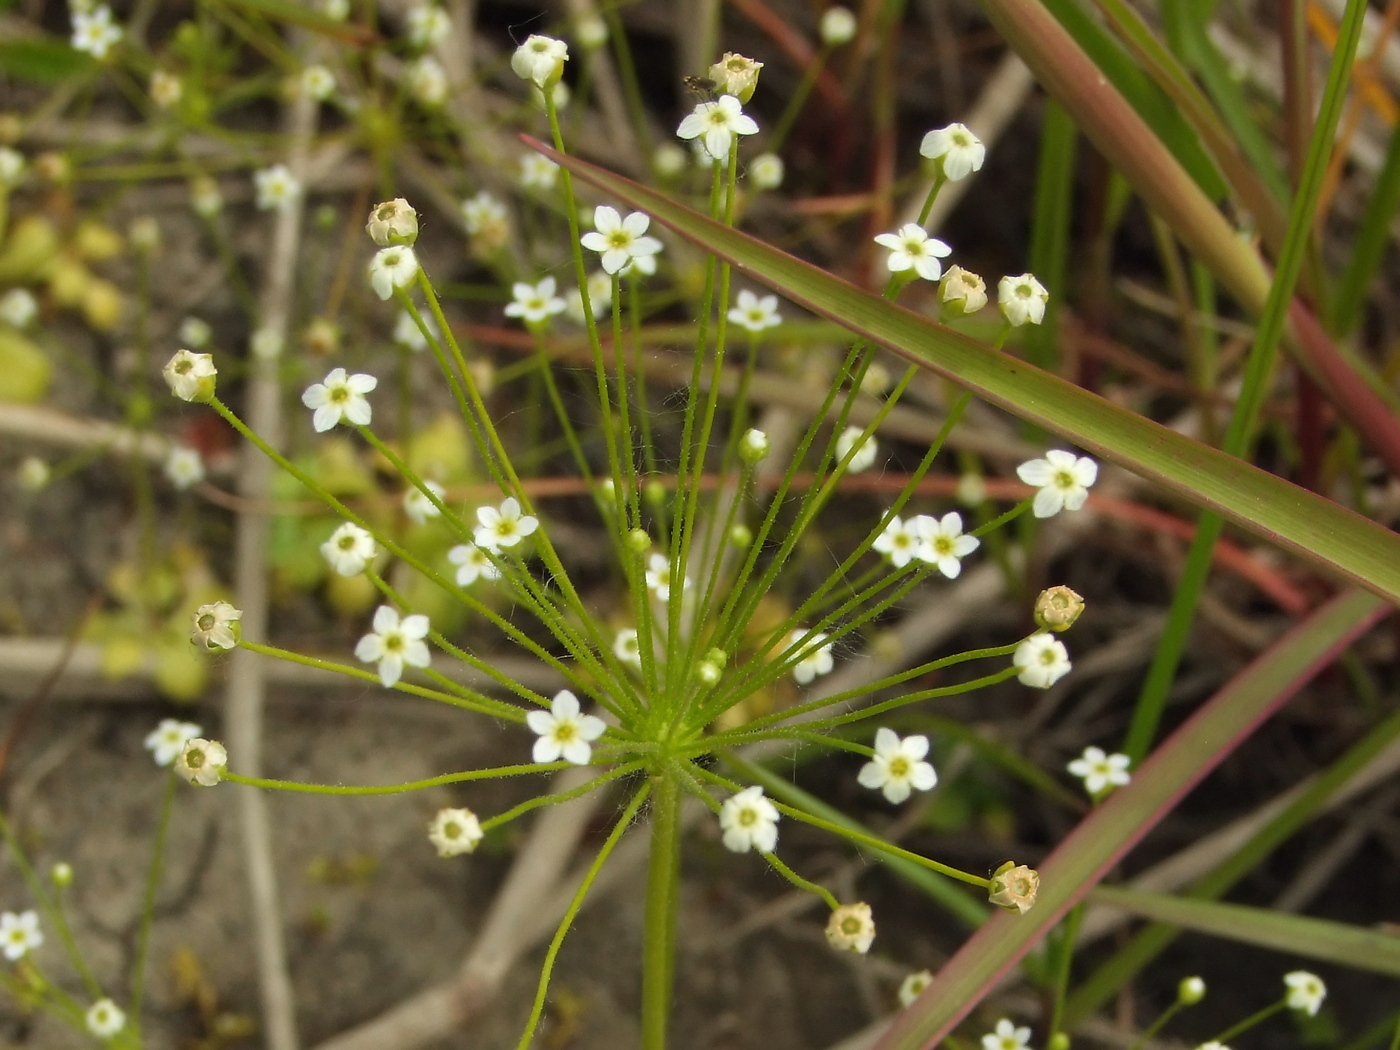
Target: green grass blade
{"x": 1315, "y": 528}
{"x": 1372, "y": 236}
{"x": 1320, "y": 939}
{"x": 1054, "y": 200}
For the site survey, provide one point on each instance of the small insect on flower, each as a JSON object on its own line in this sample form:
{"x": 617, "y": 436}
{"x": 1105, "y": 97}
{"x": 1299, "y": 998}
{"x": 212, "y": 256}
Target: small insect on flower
{"x": 1022, "y": 300}
{"x": 851, "y": 928}
{"x": 838, "y": 26}
{"x": 349, "y": 549}
{"x": 865, "y": 455}
{"x": 943, "y": 543}
{"x": 216, "y": 626}
{"x": 392, "y": 268}
{"x": 504, "y": 526}
{"x": 392, "y": 223}
{"x": 1063, "y": 480}
{"x": 1043, "y": 660}
{"x": 899, "y": 542}
{"x": 564, "y": 731}
{"x": 317, "y": 82}
{"x": 537, "y": 172}
{"x": 735, "y": 75}
{"x": 816, "y": 662}
{"x": 395, "y": 643}
{"x": 202, "y": 762}
{"x": 339, "y": 397}
{"x": 540, "y": 60}
{"x": 627, "y": 648}
{"x": 418, "y": 506}
{"x": 276, "y": 187}
{"x": 104, "y": 1019}
{"x": 1100, "y": 771}
{"x": 19, "y": 934}
{"x": 1006, "y": 1036}
{"x": 749, "y": 821}
{"x": 428, "y": 26}
{"x": 94, "y": 31}
{"x": 454, "y": 832}
{"x": 898, "y": 767}
{"x": 184, "y": 468}
{"x": 913, "y": 986}
{"x": 911, "y": 248}
{"x": 956, "y": 149}
{"x": 716, "y": 124}
{"x": 18, "y": 307}
{"x": 168, "y": 739}
{"x": 619, "y": 241}
{"x": 190, "y": 376}
{"x": 1305, "y": 991}
{"x": 766, "y": 171}
{"x": 534, "y": 304}
{"x": 754, "y": 314}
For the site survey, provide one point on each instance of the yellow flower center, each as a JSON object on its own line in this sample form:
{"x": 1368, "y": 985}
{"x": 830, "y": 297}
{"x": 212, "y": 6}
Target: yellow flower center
{"x": 899, "y": 767}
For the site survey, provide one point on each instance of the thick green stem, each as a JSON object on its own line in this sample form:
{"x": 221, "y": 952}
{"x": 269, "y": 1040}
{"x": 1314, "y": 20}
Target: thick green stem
{"x": 663, "y": 886}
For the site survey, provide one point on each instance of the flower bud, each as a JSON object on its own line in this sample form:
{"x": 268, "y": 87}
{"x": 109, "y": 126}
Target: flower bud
{"x": 971, "y": 490}
{"x": 1057, "y": 608}
{"x": 191, "y": 376}
{"x": 667, "y": 161}
{"x": 1058, "y": 1041}
{"x": 851, "y": 928}
{"x": 961, "y": 292}
{"x": 1190, "y": 991}
{"x": 740, "y": 535}
{"x": 61, "y": 874}
{"x": 736, "y": 75}
{"x": 913, "y": 986}
{"x": 838, "y": 26}
{"x": 655, "y": 493}
{"x": 322, "y": 337}
{"x": 707, "y": 672}
{"x": 1014, "y": 887}
{"x": 144, "y": 234}
{"x": 753, "y": 446}
{"x": 33, "y": 473}
{"x": 718, "y": 657}
{"x": 638, "y": 541}
{"x": 393, "y": 222}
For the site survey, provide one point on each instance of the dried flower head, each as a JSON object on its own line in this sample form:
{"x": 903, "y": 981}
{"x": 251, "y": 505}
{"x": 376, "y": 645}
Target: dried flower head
{"x": 1014, "y": 887}
{"x": 393, "y": 222}
{"x": 1057, "y": 608}
{"x": 851, "y": 928}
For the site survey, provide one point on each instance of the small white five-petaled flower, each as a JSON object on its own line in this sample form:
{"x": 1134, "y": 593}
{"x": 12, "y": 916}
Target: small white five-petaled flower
{"x": 540, "y": 60}
{"x": 565, "y": 731}
{"x": 534, "y": 303}
{"x": 276, "y": 186}
{"x": 317, "y": 82}
{"x": 216, "y": 626}
{"x": 190, "y": 376}
{"x": 716, "y": 123}
{"x": 473, "y": 563}
{"x": 627, "y": 648}
{"x": 944, "y": 543}
{"x": 503, "y": 526}
{"x": 1022, "y": 300}
{"x": 19, "y": 934}
{"x": 349, "y": 549}
{"x": 1062, "y": 478}
{"x": 538, "y": 172}
{"x": 619, "y": 241}
{"x": 168, "y": 739}
{"x": 817, "y": 661}
{"x": 1305, "y": 991}
{"x": 898, "y": 767}
{"x": 184, "y": 467}
{"x": 960, "y": 151}
{"x": 1043, "y": 660}
{"x": 754, "y": 314}
{"x": 391, "y": 268}
{"x": 900, "y": 541}
{"x": 202, "y": 762}
{"x": 865, "y": 455}
{"x": 913, "y": 986}
{"x": 851, "y": 928}
{"x": 1100, "y": 771}
{"x": 94, "y": 31}
{"x": 913, "y": 249}
{"x": 395, "y": 643}
{"x": 454, "y": 832}
{"x": 418, "y": 506}
{"x": 1006, "y": 1037}
{"x": 105, "y": 1019}
{"x": 339, "y": 397}
{"x": 749, "y": 821}
{"x": 428, "y": 26}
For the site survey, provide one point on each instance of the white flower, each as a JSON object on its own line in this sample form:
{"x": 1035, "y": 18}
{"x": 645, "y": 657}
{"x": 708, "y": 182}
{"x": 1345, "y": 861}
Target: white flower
{"x": 599, "y": 297}
{"x": 944, "y": 543}
{"x": 335, "y": 10}
{"x": 190, "y": 376}
{"x": 11, "y": 166}
{"x": 339, "y": 397}
{"x": 658, "y": 577}
{"x": 540, "y": 60}
{"x": 205, "y": 198}
{"x": 851, "y": 928}
{"x": 1099, "y": 771}
{"x": 428, "y": 26}
{"x": 591, "y": 32}
{"x": 913, "y": 249}
{"x": 317, "y": 82}
{"x": 668, "y": 160}
{"x": 534, "y": 304}
{"x": 473, "y": 563}
{"x": 564, "y": 731}
{"x": 394, "y": 643}
{"x": 864, "y": 456}
{"x": 202, "y": 762}
{"x": 165, "y": 89}
{"x": 418, "y": 506}
{"x": 1063, "y": 481}
{"x": 619, "y": 240}
{"x": 427, "y": 81}
{"x": 349, "y": 549}
{"x": 195, "y": 332}
{"x": 94, "y": 32}
{"x": 454, "y": 832}
{"x": 391, "y": 268}
{"x": 913, "y": 986}
{"x": 504, "y": 526}
{"x": 19, "y": 934}
{"x": 736, "y": 75}
{"x": 1043, "y": 660}
{"x": 627, "y": 648}
{"x": 216, "y": 626}
{"x": 482, "y": 213}
{"x": 838, "y": 26}
{"x": 408, "y": 334}
{"x": 1022, "y": 300}
{"x": 538, "y": 172}
{"x": 1006, "y": 1037}
{"x": 962, "y": 292}
{"x": 276, "y": 187}
{"x": 817, "y": 661}
{"x": 898, "y": 766}
{"x": 1305, "y": 991}
{"x": 766, "y": 171}
{"x": 960, "y": 151}
{"x": 716, "y": 123}
{"x": 754, "y": 314}
{"x": 18, "y": 307}
{"x": 266, "y": 343}
{"x": 105, "y": 1019}
{"x": 184, "y": 467}
{"x": 168, "y": 739}
{"x": 749, "y": 821}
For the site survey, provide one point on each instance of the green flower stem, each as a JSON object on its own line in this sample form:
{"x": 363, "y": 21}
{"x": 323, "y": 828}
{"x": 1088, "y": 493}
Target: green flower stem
{"x": 624, "y": 411}
{"x": 542, "y": 363}
{"x": 833, "y": 743}
{"x": 449, "y": 515}
{"x": 627, "y": 73}
{"x": 538, "y": 801}
{"x": 1064, "y": 959}
{"x": 497, "y": 773}
{"x": 492, "y": 708}
{"x": 799, "y": 99}
{"x": 797, "y": 880}
{"x": 634, "y": 316}
{"x": 1250, "y": 1021}
{"x": 1157, "y": 1025}
{"x": 939, "y": 181}
{"x": 662, "y": 902}
{"x": 985, "y": 682}
{"x": 148, "y": 910}
{"x": 1003, "y": 519}
{"x": 1395, "y": 1039}
{"x": 623, "y": 822}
